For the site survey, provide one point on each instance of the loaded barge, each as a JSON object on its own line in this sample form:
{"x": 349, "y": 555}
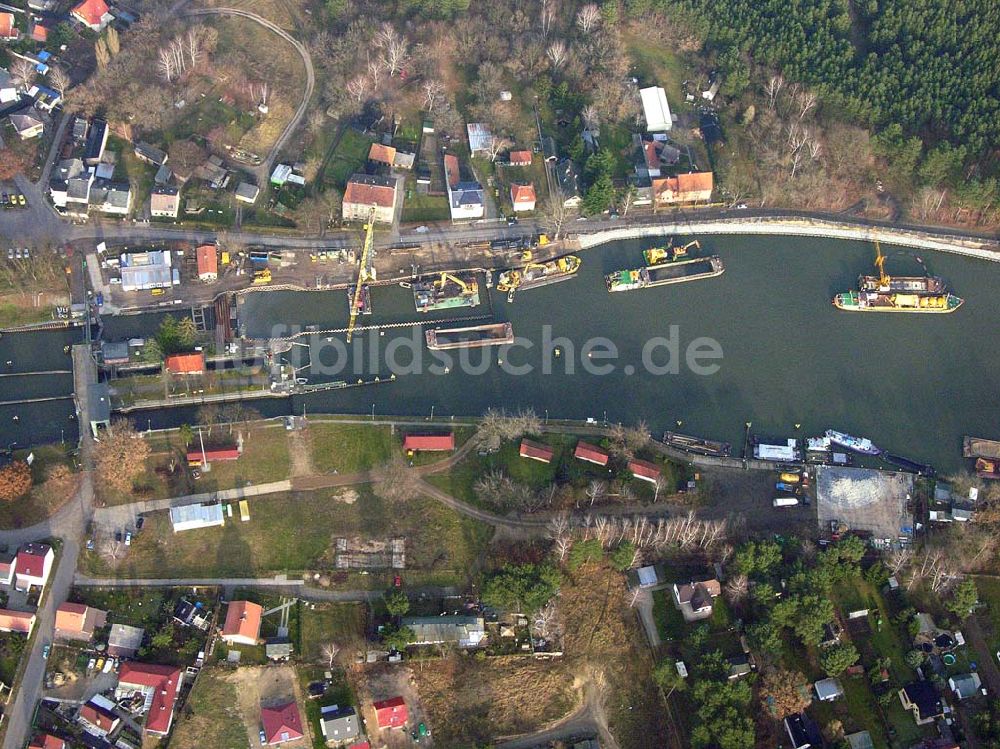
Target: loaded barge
{"x": 446, "y": 291}
{"x": 665, "y": 273}
{"x": 534, "y": 275}
{"x": 697, "y": 445}
{"x": 477, "y": 336}
{"x": 987, "y": 455}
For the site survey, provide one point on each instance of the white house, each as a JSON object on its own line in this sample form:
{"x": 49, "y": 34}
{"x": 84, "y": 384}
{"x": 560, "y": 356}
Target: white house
{"x": 94, "y": 14}
{"x": 8, "y": 91}
{"x": 33, "y": 565}
{"x": 465, "y": 199}
{"x": 656, "y": 109}
{"x": 28, "y": 124}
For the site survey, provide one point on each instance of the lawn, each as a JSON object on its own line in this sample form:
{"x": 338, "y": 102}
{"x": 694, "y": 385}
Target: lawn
{"x": 423, "y": 208}
{"x": 52, "y": 487}
{"x": 323, "y": 623}
{"x": 211, "y": 716}
{"x": 13, "y": 315}
{"x": 265, "y": 459}
{"x": 294, "y": 532}
{"x": 348, "y": 157}
{"x": 209, "y": 113}
{"x": 348, "y": 448}
{"x": 657, "y": 64}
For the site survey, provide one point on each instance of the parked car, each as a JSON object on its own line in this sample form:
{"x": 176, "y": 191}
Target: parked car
{"x": 263, "y": 738}
{"x": 10, "y": 253}
{"x": 21, "y": 201}
{"x": 128, "y": 538}
{"x": 99, "y": 665}
{"x": 45, "y": 651}
{"x": 139, "y": 522}
{"x": 90, "y": 665}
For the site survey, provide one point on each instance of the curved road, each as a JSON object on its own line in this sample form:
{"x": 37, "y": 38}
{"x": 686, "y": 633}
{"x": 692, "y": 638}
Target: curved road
{"x": 264, "y": 170}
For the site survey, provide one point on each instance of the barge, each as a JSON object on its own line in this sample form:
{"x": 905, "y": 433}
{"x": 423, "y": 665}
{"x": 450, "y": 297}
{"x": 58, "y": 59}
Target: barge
{"x": 476, "y": 336}
{"x": 671, "y": 254}
{"x": 665, "y": 273}
{"x": 446, "y": 291}
{"x": 977, "y": 447}
{"x": 697, "y": 445}
{"x": 534, "y": 275}
{"x": 861, "y": 445}
{"x": 776, "y": 451}
{"x": 364, "y": 300}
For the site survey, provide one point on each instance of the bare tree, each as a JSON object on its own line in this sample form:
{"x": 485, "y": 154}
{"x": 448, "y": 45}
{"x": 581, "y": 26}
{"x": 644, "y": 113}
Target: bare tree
{"x": 193, "y": 40}
{"x": 557, "y": 53}
{"x": 23, "y": 72}
{"x": 547, "y": 15}
{"x": 659, "y": 485}
{"x": 496, "y": 145}
{"x": 396, "y": 482}
{"x": 330, "y": 650}
{"x": 591, "y": 118}
{"x": 806, "y": 101}
{"x": 165, "y": 65}
{"x": 395, "y": 48}
{"x": 112, "y": 40}
{"x": 772, "y": 88}
{"x": 433, "y": 94}
{"x": 562, "y": 546}
{"x": 59, "y": 80}
{"x": 558, "y": 525}
{"x": 556, "y": 213}
{"x": 358, "y": 87}
{"x": 737, "y": 588}
{"x": 588, "y": 17}
{"x": 596, "y": 490}
{"x": 375, "y": 68}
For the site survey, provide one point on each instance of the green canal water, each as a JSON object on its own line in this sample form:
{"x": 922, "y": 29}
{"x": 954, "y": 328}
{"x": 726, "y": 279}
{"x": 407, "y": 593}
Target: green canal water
{"x": 912, "y": 383}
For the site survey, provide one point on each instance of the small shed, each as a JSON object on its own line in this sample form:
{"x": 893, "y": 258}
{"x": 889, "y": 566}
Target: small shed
{"x": 536, "y": 451}
{"x": 828, "y": 690}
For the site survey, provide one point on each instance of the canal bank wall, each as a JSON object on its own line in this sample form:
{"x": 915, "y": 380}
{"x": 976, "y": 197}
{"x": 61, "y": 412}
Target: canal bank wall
{"x": 977, "y": 248}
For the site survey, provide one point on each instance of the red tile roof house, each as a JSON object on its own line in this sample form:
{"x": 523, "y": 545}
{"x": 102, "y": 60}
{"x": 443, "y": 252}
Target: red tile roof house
{"x": 391, "y": 713}
{"x": 187, "y": 364}
{"x": 34, "y": 562}
{"x": 20, "y": 622}
{"x": 77, "y": 621}
{"x": 428, "y": 442}
{"x": 159, "y": 685}
{"x": 519, "y": 158}
{"x": 46, "y": 741}
{"x": 591, "y": 454}
{"x": 208, "y": 262}
{"x": 94, "y": 14}
{"x": 40, "y": 34}
{"x": 281, "y": 723}
{"x": 98, "y": 717}
{"x": 7, "y": 29}
{"x": 242, "y": 623}
{"x": 536, "y": 451}
{"x": 644, "y": 470}
{"x": 522, "y": 197}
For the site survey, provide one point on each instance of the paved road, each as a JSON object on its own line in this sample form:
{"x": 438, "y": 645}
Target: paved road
{"x": 264, "y": 170}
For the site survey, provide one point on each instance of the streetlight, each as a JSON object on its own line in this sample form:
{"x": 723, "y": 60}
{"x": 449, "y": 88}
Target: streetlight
{"x": 373, "y": 412}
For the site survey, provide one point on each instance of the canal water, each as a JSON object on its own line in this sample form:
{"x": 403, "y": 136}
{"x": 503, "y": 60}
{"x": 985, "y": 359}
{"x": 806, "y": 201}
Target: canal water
{"x": 790, "y": 363}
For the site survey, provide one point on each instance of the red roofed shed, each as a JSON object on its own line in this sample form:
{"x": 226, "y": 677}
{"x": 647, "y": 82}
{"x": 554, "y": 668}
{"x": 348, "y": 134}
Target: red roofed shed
{"x": 536, "y": 451}
{"x": 591, "y": 453}
{"x": 186, "y": 363}
{"x": 644, "y": 470}
{"x": 391, "y": 713}
{"x": 429, "y": 442}
{"x": 212, "y": 454}
{"x": 208, "y": 262}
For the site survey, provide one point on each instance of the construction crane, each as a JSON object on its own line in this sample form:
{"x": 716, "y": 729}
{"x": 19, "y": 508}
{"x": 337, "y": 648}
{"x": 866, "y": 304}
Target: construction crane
{"x": 366, "y": 271}
{"x": 883, "y": 277}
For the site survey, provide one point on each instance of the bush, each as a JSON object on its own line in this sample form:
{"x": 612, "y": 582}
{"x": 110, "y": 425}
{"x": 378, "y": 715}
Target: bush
{"x": 15, "y": 480}
{"x": 837, "y": 659}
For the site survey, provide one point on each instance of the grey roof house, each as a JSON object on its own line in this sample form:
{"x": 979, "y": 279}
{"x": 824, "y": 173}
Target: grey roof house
{"x": 124, "y": 640}
{"x": 150, "y": 154}
{"x": 965, "y": 686}
{"x": 828, "y": 690}
{"x": 339, "y": 724}
{"x": 464, "y": 631}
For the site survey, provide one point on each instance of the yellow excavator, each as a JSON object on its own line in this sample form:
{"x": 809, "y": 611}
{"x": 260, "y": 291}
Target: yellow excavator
{"x": 366, "y": 272}
{"x": 659, "y": 255}
{"x": 446, "y": 277}
{"x": 883, "y": 277}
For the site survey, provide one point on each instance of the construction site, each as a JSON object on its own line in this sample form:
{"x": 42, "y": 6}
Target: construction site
{"x": 865, "y": 500}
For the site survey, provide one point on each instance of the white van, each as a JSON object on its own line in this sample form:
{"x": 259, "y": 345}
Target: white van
{"x": 785, "y": 501}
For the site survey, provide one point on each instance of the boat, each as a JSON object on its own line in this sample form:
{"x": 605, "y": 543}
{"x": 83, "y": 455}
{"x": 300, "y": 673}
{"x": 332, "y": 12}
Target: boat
{"x": 977, "y": 447}
{"x": 885, "y": 293}
{"x": 364, "y": 301}
{"x": 912, "y": 466}
{"x": 446, "y": 291}
{"x": 987, "y": 469}
{"x": 671, "y": 254}
{"x": 697, "y": 445}
{"x": 861, "y": 445}
{"x": 665, "y": 273}
{"x": 818, "y": 444}
{"x": 476, "y": 336}
{"x": 777, "y": 452}
{"x": 533, "y": 275}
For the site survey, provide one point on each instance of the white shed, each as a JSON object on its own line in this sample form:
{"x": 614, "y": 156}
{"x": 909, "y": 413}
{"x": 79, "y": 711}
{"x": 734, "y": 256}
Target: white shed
{"x": 656, "y": 109}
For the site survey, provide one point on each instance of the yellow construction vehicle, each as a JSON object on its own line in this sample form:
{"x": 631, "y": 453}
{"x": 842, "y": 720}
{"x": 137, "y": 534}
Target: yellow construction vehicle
{"x": 883, "y": 277}
{"x": 658, "y": 255}
{"x": 262, "y": 277}
{"x": 543, "y": 239}
{"x": 366, "y": 272}
{"x": 446, "y": 277}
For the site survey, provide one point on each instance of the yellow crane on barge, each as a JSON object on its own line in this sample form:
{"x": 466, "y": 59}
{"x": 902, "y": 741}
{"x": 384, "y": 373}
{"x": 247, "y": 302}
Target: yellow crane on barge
{"x": 366, "y": 271}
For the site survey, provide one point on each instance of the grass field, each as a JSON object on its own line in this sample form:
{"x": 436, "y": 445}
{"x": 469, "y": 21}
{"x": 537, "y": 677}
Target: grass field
{"x": 12, "y": 315}
{"x": 349, "y": 157}
{"x": 342, "y": 623}
{"x": 419, "y": 208}
{"x": 211, "y": 716}
{"x": 294, "y": 532}
{"x": 347, "y": 448}
{"x": 45, "y": 497}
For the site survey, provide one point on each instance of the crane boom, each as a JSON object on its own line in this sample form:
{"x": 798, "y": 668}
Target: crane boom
{"x": 366, "y": 271}
{"x": 883, "y": 277}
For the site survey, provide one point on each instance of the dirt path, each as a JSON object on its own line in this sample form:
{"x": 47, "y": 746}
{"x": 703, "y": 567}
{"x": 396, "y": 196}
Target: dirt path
{"x": 298, "y": 451}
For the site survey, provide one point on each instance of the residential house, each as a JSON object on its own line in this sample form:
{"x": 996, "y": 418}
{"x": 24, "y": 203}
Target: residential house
{"x": 522, "y": 197}
{"x": 964, "y": 686}
{"x": 78, "y": 193}
{"x": 77, "y": 621}
{"x": 212, "y": 171}
{"x": 58, "y": 191}
{"x": 28, "y": 123}
{"x": 391, "y": 713}
{"x": 124, "y": 640}
{"x": 284, "y": 173}
{"x": 97, "y": 141}
{"x": 199, "y": 455}
{"x": 47, "y": 741}
{"x": 519, "y": 158}
{"x": 146, "y": 270}
{"x": 39, "y": 32}
{"x": 369, "y": 191}
{"x": 186, "y": 364}
{"x": 81, "y": 127}
{"x": 536, "y": 451}
{"x": 653, "y": 155}
{"x": 46, "y": 99}
{"x": 247, "y": 193}
{"x": 97, "y": 716}
{"x": 712, "y": 91}
{"x": 429, "y": 442}
{"x": 404, "y": 160}
{"x": 94, "y": 14}
{"x": 150, "y": 154}
{"x": 655, "y": 109}
{"x": 339, "y": 724}
{"x": 923, "y": 700}
{"x": 694, "y": 599}
{"x": 8, "y": 31}
{"x": 464, "y": 631}
{"x": 68, "y": 169}
{"x": 591, "y": 454}
{"x": 242, "y": 625}
{"x": 382, "y": 154}
{"x": 164, "y": 175}
{"x": 8, "y": 91}
{"x": 21, "y": 622}
{"x": 739, "y": 666}
{"x": 644, "y": 470}
{"x": 550, "y": 152}
{"x": 465, "y": 197}
{"x": 803, "y": 732}
{"x": 278, "y": 649}
{"x": 208, "y": 262}
{"x": 33, "y": 565}
{"x": 165, "y": 202}
{"x": 281, "y": 723}
{"x": 189, "y": 614}
{"x": 159, "y": 685}
{"x": 694, "y": 187}
{"x": 569, "y": 183}
{"x": 480, "y": 139}
{"x": 828, "y": 690}
{"x": 190, "y": 517}
{"x": 7, "y": 564}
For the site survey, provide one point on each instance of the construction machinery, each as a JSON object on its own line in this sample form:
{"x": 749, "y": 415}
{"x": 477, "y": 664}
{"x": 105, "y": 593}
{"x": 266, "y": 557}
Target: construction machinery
{"x": 261, "y": 277}
{"x": 366, "y": 272}
{"x": 658, "y": 255}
